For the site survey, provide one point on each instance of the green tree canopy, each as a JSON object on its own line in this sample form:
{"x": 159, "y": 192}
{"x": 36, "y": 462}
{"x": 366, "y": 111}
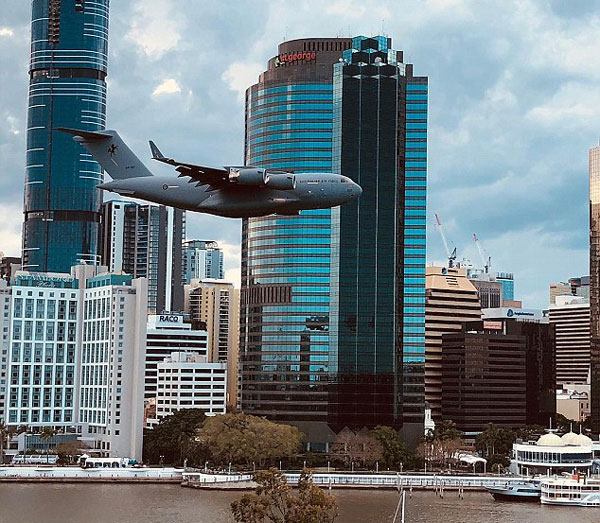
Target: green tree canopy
{"x": 275, "y": 502}
{"x": 495, "y": 441}
{"x": 241, "y": 439}
{"x": 174, "y": 438}
{"x": 393, "y": 450}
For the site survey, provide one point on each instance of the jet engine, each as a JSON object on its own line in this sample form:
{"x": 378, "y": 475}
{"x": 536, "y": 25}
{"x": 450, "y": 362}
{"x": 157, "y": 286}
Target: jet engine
{"x": 245, "y": 176}
{"x": 280, "y": 180}
{"x": 262, "y": 177}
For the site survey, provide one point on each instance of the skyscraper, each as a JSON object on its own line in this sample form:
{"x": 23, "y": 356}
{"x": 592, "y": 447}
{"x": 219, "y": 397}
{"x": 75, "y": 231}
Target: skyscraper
{"x": 594, "y": 159}
{"x": 377, "y": 314}
{"x": 69, "y": 45}
{"x": 144, "y": 240}
{"x": 284, "y": 314}
{"x": 333, "y": 301}
{"x": 202, "y": 259}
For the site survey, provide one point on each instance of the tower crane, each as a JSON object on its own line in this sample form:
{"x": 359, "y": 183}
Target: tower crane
{"x": 486, "y": 264}
{"x": 451, "y": 254}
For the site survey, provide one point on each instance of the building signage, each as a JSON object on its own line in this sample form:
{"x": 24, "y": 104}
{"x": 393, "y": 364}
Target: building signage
{"x": 506, "y": 312}
{"x": 492, "y": 325}
{"x": 295, "y": 56}
{"x": 170, "y": 318}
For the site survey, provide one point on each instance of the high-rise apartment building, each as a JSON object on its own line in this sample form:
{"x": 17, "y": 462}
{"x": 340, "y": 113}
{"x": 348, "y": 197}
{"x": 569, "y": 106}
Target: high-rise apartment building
{"x": 332, "y": 315}
{"x": 75, "y": 356}
{"x": 5, "y": 319}
{"x": 570, "y": 316}
{"x": 214, "y": 305}
{"x": 167, "y": 333}
{"x": 594, "y": 166}
{"x": 284, "y": 314}
{"x": 67, "y": 88}
{"x": 202, "y": 259}
{"x": 111, "y": 388}
{"x": 451, "y": 299}
{"x": 144, "y": 240}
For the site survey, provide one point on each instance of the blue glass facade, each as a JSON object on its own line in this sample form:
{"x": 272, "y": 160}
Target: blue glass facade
{"x": 68, "y": 65}
{"x": 377, "y": 352}
{"x": 286, "y": 259}
{"x": 334, "y": 298}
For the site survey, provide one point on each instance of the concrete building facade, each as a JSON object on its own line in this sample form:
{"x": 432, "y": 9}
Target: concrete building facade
{"x": 187, "y": 380}
{"x": 570, "y": 316}
{"x": 214, "y": 305}
{"x": 451, "y": 299}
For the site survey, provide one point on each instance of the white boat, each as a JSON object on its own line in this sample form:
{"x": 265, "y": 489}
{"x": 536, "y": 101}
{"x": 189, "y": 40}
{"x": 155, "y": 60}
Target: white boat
{"x": 575, "y": 490}
{"x": 522, "y": 491}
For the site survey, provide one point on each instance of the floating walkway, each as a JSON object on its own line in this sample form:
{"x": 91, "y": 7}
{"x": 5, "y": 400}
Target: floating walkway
{"x": 42, "y": 474}
{"x": 437, "y": 483}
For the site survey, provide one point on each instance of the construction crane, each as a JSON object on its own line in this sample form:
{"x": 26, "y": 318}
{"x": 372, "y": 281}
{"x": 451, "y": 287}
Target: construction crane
{"x": 451, "y": 254}
{"x": 487, "y": 264}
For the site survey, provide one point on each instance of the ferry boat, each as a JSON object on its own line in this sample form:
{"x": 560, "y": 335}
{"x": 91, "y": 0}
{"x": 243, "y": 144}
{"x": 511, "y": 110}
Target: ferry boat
{"x": 522, "y": 491}
{"x": 575, "y": 490}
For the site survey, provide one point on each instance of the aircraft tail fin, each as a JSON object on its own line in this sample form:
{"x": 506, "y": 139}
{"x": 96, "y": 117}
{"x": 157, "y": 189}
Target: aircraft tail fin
{"x": 111, "y": 152}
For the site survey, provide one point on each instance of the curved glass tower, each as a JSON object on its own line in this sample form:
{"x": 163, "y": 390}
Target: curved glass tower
{"x": 69, "y": 45}
{"x": 286, "y": 259}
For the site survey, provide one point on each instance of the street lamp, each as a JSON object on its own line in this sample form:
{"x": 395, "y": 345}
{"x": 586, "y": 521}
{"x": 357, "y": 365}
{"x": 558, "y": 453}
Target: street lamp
{"x": 205, "y": 467}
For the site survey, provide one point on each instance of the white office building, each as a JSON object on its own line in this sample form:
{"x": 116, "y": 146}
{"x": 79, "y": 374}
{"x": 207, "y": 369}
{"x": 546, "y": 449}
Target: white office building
{"x": 186, "y": 380}
{"x": 167, "y": 333}
{"x": 75, "y": 356}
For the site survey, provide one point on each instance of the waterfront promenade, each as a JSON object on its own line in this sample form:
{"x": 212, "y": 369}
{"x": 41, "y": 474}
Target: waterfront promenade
{"x": 43, "y": 474}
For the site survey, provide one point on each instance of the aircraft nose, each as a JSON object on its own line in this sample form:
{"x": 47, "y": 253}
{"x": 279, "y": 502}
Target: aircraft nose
{"x": 357, "y": 190}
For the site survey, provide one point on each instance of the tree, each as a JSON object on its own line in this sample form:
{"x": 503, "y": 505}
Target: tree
{"x": 393, "y": 450}
{"x": 68, "y": 450}
{"x": 495, "y": 440}
{"x": 5, "y": 433}
{"x": 356, "y": 447}
{"x": 174, "y": 438}
{"x": 46, "y": 434}
{"x": 241, "y": 439}
{"x": 441, "y": 446}
{"x": 274, "y": 502}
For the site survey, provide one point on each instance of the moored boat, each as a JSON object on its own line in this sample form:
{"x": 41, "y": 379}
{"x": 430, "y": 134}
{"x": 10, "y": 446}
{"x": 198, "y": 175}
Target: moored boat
{"x": 575, "y": 490}
{"x": 525, "y": 491}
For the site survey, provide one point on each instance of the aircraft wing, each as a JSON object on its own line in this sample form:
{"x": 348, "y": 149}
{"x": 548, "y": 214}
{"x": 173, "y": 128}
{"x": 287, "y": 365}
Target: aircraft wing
{"x": 214, "y": 176}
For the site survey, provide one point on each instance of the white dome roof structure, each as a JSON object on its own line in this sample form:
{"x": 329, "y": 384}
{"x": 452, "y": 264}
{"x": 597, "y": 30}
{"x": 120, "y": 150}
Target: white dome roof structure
{"x": 570, "y": 438}
{"x": 583, "y": 440}
{"x": 550, "y": 440}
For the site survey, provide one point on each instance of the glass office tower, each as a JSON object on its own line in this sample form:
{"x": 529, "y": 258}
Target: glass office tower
{"x": 69, "y": 43}
{"x": 284, "y": 344}
{"x": 377, "y": 339}
{"x": 594, "y": 160}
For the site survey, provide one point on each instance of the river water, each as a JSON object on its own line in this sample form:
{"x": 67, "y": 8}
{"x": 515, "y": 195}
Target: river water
{"x": 84, "y": 503}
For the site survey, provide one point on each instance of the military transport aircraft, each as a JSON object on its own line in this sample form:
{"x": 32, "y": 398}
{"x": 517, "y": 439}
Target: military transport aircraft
{"x": 234, "y": 192}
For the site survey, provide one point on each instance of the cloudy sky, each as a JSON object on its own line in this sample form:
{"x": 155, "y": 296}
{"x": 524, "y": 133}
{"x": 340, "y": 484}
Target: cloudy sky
{"x": 515, "y": 106}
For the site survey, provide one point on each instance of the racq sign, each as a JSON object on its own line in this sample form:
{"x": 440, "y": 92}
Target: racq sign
{"x": 170, "y": 318}
{"x": 296, "y": 56}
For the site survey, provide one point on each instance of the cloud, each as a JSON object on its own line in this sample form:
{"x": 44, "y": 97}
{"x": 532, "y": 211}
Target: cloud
{"x": 6, "y": 31}
{"x": 167, "y": 86}
{"x": 155, "y": 28}
{"x": 11, "y": 224}
{"x": 240, "y": 75}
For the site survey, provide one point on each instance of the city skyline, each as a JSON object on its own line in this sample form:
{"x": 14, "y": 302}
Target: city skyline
{"x": 504, "y": 125}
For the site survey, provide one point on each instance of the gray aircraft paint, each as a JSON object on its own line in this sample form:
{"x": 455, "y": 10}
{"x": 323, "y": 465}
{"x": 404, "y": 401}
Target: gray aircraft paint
{"x": 231, "y": 199}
